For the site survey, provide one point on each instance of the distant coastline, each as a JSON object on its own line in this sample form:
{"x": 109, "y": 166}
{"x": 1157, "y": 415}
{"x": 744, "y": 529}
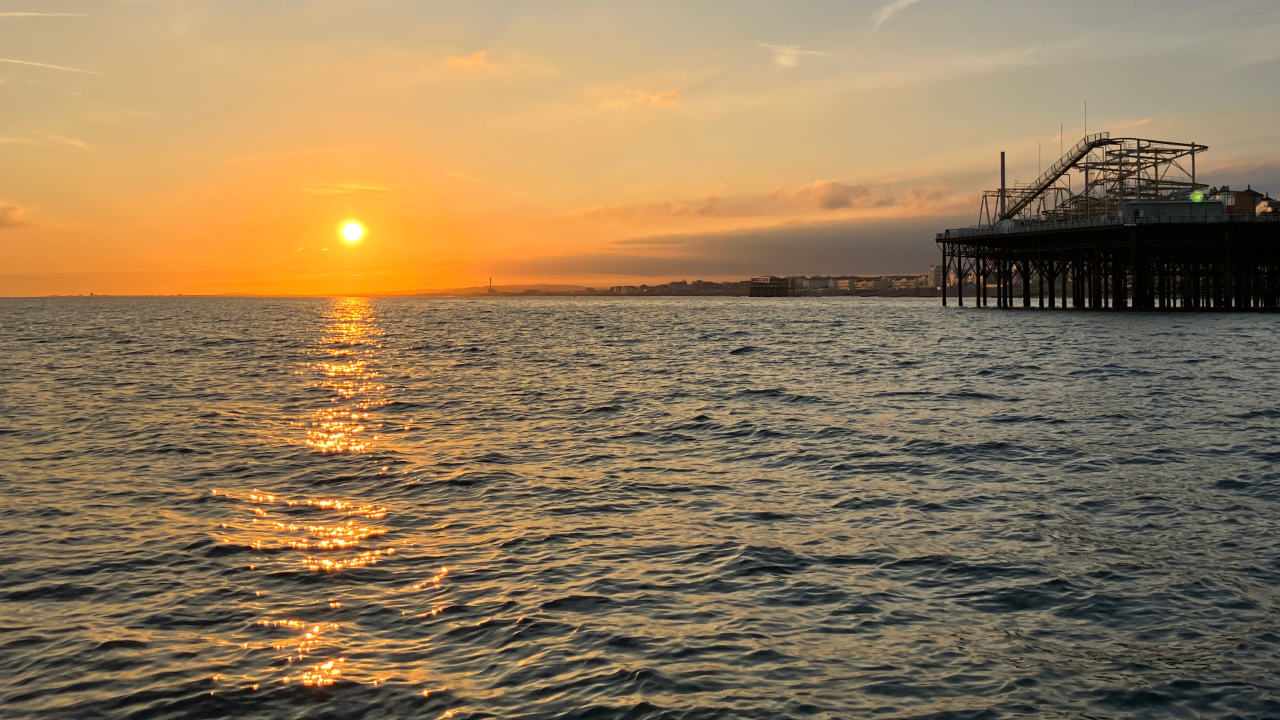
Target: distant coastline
{"x": 797, "y": 286}
{"x": 584, "y": 292}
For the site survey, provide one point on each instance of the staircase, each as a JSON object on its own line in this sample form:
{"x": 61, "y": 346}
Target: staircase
{"x": 1024, "y": 196}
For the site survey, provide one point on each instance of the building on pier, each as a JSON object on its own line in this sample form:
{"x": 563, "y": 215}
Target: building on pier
{"x": 1239, "y": 202}
{"x": 1115, "y": 223}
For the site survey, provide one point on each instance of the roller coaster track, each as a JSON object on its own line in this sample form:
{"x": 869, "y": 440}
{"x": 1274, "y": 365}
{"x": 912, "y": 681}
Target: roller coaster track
{"x": 1020, "y": 198}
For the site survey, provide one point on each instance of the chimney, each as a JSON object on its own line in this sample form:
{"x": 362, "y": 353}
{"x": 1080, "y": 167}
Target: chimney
{"x": 1002, "y": 189}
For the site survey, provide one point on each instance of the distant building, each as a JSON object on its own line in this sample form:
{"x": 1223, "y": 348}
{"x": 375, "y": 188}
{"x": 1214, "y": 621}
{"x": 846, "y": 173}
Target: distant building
{"x": 770, "y": 286}
{"x": 936, "y": 278}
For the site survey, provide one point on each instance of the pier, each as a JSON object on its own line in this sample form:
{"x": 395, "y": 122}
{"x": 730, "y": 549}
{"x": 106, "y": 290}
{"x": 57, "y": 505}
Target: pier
{"x": 1116, "y": 223}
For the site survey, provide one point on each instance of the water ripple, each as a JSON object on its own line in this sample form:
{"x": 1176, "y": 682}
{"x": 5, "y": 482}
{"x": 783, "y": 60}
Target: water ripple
{"x": 640, "y": 508}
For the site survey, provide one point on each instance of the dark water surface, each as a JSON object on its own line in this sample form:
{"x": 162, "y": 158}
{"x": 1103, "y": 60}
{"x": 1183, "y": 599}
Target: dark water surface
{"x": 635, "y": 508}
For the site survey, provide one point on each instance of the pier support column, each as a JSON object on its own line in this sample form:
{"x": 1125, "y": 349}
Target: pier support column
{"x": 945, "y": 273}
{"x": 1119, "y": 270}
{"x": 979, "y": 283}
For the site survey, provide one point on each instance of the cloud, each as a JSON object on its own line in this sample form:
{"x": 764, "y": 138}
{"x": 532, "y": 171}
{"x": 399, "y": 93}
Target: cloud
{"x": 49, "y": 66}
{"x": 832, "y": 194}
{"x": 788, "y": 56}
{"x": 1131, "y": 124}
{"x": 865, "y": 247}
{"x": 44, "y": 138}
{"x": 10, "y": 215}
{"x": 275, "y": 155}
{"x": 883, "y": 14}
{"x": 1262, "y": 173}
{"x": 345, "y": 189}
{"x": 941, "y": 70}
{"x": 464, "y": 177}
{"x": 477, "y": 61}
{"x": 40, "y": 14}
{"x": 817, "y": 196}
{"x": 400, "y": 68}
{"x": 642, "y": 99}
{"x": 63, "y": 140}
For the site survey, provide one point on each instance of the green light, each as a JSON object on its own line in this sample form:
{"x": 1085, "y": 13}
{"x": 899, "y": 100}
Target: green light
{"x": 1197, "y": 196}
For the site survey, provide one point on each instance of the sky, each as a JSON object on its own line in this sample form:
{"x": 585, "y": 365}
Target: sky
{"x": 217, "y": 146}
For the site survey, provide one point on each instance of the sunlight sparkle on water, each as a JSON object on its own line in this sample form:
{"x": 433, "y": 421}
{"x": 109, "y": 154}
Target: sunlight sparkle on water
{"x": 325, "y": 535}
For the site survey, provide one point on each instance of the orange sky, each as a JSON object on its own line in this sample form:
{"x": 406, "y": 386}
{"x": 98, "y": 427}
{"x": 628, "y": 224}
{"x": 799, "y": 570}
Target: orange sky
{"x": 165, "y": 146}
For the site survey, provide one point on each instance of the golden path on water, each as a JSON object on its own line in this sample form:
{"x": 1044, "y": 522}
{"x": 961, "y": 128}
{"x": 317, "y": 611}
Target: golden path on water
{"x": 347, "y": 370}
{"x": 309, "y": 640}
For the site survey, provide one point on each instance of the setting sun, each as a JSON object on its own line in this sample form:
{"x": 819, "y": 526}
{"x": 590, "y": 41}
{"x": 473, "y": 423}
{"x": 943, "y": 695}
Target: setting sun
{"x": 352, "y": 231}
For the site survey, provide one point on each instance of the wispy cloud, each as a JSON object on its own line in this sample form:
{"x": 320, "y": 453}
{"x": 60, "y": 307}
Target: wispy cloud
{"x": 42, "y": 138}
{"x": 944, "y": 69}
{"x": 788, "y": 56}
{"x": 1131, "y": 124}
{"x": 464, "y": 177}
{"x": 275, "y": 155}
{"x": 817, "y": 196}
{"x": 16, "y": 14}
{"x": 883, "y": 14}
{"x": 477, "y": 61}
{"x": 817, "y": 199}
{"x": 346, "y": 189}
{"x": 642, "y": 99}
{"x": 10, "y": 215}
{"x": 49, "y": 66}
{"x": 64, "y": 140}
{"x": 402, "y": 68}
{"x": 482, "y": 63}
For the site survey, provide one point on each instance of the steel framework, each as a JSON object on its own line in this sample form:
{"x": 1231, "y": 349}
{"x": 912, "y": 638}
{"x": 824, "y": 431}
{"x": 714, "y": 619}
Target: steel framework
{"x": 1107, "y": 171}
{"x": 1061, "y": 245}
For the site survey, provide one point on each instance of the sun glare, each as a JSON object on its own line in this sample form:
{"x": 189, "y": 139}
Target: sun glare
{"x": 352, "y": 231}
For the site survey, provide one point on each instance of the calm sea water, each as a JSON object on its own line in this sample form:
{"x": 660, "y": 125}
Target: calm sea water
{"x": 635, "y": 508}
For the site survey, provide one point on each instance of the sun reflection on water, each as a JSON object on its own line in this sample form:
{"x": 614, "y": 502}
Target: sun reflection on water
{"x": 311, "y": 641}
{"x": 347, "y": 371}
{"x": 265, "y": 532}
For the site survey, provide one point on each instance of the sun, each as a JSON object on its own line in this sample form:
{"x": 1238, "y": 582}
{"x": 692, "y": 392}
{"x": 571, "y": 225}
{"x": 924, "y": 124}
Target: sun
{"x": 352, "y": 231}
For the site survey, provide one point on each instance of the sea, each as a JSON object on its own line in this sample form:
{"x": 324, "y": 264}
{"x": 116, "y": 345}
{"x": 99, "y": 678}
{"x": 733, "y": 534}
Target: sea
{"x": 635, "y": 508}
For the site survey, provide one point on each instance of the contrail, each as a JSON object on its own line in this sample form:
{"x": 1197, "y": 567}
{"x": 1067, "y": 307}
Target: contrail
{"x": 883, "y": 14}
{"x": 50, "y": 66}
